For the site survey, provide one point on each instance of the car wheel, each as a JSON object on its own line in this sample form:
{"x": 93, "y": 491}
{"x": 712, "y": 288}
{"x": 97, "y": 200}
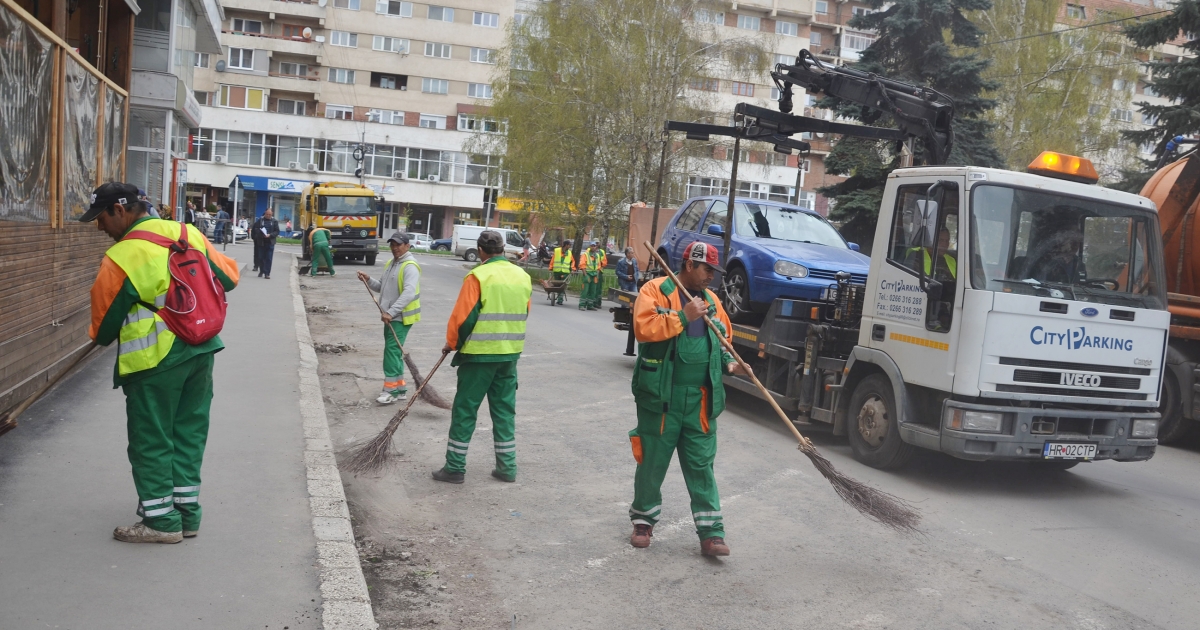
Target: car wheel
{"x": 874, "y": 425}
{"x": 1173, "y": 426}
{"x": 737, "y": 295}
{"x": 441, "y": 248}
{"x": 471, "y": 255}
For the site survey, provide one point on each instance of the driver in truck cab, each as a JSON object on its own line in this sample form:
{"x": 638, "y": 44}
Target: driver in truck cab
{"x": 1060, "y": 261}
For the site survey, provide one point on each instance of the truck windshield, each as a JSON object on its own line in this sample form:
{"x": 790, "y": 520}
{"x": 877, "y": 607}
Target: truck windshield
{"x": 328, "y": 204}
{"x": 786, "y": 224}
{"x": 1042, "y": 243}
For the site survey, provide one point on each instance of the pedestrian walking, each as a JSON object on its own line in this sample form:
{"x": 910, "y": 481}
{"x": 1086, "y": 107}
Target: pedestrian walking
{"x": 256, "y": 237}
{"x": 561, "y": 265}
{"x": 487, "y": 328}
{"x": 189, "y": 214}
{"x": 679, "y": 394}
{"x": 627, "y": 270}
{"x": 399, "y": 288}
{"x": 589, "y": 264}
{"x": 222, "y": 225}
{"x": 267, "y": 229}
{"x": 168, "y": 384}
{"x": 318, "y": 245}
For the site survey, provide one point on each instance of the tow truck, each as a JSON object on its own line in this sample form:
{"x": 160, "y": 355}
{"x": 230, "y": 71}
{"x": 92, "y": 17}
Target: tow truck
{"x": 351, "y": 214}
{"x": 1005, "y": 315}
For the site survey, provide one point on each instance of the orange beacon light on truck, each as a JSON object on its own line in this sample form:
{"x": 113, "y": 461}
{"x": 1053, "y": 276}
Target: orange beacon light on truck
{"x": 1063, "y": 166}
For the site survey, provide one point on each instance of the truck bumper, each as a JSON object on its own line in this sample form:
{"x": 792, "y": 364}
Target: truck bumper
{"x": 354, "y": 246}
{"x": 1108, "y": 430}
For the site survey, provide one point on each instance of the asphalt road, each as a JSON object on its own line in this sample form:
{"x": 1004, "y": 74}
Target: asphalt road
{"x": 1105, "y": 545}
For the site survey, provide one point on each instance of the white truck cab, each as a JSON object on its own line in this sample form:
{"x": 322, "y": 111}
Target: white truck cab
{"x": 1014, "y": 316}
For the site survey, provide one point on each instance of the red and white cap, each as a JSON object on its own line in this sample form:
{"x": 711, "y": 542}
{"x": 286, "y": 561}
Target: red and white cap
{"x": 700, "y": 251}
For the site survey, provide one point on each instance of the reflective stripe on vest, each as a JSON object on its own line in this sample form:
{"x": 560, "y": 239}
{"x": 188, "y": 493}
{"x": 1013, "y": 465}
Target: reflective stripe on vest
{"x": 145, "y": 340}
{"x": 504, "y": 291}
{"x": 592, "y": 261}
{"x": 562, "y": 261}
{"x": 412, "y": 311}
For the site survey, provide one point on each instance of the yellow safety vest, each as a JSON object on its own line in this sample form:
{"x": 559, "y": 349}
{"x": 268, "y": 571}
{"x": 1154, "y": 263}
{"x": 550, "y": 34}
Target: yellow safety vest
{"x": 591, "y": 260}
{"x": 504, "y": 291}
{"x": 562, "y": 262}
{"x": 951, "y": 263}
{"x": 412, "y": 311}
{"x": 145, "y": 340}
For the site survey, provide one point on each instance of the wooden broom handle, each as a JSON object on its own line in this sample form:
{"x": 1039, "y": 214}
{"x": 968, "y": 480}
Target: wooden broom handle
{"x": 729, "y": 347}
{"x": 389, "y": 327}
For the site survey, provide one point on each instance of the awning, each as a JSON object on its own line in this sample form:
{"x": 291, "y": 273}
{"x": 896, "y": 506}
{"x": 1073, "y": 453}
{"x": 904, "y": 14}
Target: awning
{"x": 270, "y": 184}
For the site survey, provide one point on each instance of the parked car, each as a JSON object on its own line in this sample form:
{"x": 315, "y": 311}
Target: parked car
{"x": 441, "y": 245}
{"x": 464, "y": 238}
{"x": 419, "y": 241}
{"x": 777, "y": 250}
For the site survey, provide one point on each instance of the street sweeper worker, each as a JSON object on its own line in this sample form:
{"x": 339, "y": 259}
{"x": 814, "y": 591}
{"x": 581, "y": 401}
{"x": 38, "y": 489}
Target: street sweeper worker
{"x": 561, "y": 264}
{"x": 168, "y": 384}
{"x": 399, "y": 289}
{"x": 678, "y": 391}
{"x": 589, "y": 264}
{"x": 487, "y": 328}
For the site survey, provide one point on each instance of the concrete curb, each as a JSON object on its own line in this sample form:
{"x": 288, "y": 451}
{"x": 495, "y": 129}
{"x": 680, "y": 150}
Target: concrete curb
{"x": 346, "y": 604}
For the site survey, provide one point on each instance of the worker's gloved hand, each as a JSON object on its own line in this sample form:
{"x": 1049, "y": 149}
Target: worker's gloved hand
{"x": 695, "y": 309}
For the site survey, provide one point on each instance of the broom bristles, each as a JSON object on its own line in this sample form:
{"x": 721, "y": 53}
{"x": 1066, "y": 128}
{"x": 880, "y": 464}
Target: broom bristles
{"x": 877, "y": 505}
{"x": 428, "y": 394}
{"x": 374, "y": 455}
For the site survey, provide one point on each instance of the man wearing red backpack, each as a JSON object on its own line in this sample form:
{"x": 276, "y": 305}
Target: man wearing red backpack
{"x": 168, "y": 382}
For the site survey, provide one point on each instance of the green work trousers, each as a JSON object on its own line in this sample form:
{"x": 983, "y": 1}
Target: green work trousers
{"x": 167, "y": 422}
{"x": 657, "y": 436}
{"x": 560, "y": 276}
{"x": 497, "y": 381}
{"x": 393, "y": 359}
{"x": 589, "y": 295}
{"x": 320, "y": 251}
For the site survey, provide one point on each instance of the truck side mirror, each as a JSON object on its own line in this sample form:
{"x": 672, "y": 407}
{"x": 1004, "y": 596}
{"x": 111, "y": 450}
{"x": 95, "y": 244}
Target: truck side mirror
{"x": 716, "y": 230}
{"x": 853, "y": 247}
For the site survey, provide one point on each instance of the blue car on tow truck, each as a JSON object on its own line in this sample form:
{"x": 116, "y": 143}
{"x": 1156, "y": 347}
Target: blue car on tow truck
{"x": 777, "y": 250}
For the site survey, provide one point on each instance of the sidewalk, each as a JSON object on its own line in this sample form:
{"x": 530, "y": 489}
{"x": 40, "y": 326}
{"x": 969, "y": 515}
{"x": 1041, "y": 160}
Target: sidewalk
{"x": 65, "y": 484}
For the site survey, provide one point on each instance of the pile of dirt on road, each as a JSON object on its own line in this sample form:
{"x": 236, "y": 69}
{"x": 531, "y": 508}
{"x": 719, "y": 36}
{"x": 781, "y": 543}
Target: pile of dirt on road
{"x": 336, "y": 347}
{"x": 320, "y": 309}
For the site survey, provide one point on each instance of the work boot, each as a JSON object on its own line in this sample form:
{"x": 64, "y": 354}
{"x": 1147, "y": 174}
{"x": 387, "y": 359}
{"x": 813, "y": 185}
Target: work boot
{"x": 139, "y": 533}
{"x": 503, "y": 477}
{"x": 641, "y": 535}
{"x": 442, "y": 474}
{"x": 387, "y": 398}
{"x": 714, "y": 546}
{"x": 191, "y": 533}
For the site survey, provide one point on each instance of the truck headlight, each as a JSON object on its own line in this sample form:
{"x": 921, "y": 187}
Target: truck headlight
{"x": 977, "y": 421}
{"x": 791, "y": 269}
{"x": 1144, "y": 429}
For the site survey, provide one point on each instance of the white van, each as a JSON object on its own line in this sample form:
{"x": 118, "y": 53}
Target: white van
{"x": 464, "y": 238}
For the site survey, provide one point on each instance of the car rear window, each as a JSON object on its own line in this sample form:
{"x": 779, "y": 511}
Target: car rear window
{"x": 690, "y": 219}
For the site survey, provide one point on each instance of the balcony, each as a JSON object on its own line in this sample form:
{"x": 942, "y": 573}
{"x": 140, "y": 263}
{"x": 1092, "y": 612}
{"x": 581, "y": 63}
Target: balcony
{"x": 302, "y": 8}
{"x": 275, "y": 43}
{"x": 273, "y": 81}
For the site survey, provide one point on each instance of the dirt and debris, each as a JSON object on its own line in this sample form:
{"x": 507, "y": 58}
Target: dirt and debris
{"x": 336, "y": 347}
{"x": 320, "y": 309}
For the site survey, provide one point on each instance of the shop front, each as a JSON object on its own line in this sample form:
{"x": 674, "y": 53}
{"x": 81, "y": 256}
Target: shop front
{"x": 258, "y": 194}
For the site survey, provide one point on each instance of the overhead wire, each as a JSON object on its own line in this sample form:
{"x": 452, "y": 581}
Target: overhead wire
{"x": 1069, "y": 29}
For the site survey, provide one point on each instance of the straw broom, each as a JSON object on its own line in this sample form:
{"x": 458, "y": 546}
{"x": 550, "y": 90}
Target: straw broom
{"x": 372, "y": 456}
{"x": 875, "y": 504}
{"x": 431, "y": 395}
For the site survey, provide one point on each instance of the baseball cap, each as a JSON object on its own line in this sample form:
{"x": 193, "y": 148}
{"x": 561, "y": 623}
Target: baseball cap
{"x": 490, "y": 240}
{"x": 107, "y": 195}
{"x": 399, "y": 238}
{"x": 700, "y": 251}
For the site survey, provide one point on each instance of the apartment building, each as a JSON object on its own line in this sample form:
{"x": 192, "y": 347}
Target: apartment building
{"x": 300, "y": 84}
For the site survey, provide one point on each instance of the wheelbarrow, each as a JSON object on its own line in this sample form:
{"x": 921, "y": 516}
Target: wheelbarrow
{"x": 556, "y": 290}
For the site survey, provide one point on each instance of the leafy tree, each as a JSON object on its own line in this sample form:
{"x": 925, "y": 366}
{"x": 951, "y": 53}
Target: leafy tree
{"x": 914, "y": 45}
{"x": 1054, "y": 92}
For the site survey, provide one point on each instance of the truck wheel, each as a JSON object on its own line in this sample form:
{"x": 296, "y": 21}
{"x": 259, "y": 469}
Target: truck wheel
{"x": 737, "y": 295}
{"x": 1173, "y": 426}
{"x": 471, "y": 255}
{"x": 371, "y": 260}
{"x": 874, "y": 428}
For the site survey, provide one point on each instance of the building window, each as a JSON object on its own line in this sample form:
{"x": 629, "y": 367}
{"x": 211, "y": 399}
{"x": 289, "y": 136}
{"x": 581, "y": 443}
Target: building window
{"x": 341, "y": 75}
{"x": 441, "y": 14}
{"x": 822, "y": 7}
{"x": 293, "y": 31}
{"x": 707, "y": 85}
{"x": 1123, "y": 115}
{"x": 200, "y": 60}
{"x": 468, "y": 122}
{"x": 749, "y": 22}
{"x": 394, "y": 7}
{"x": 787, "y": 29}
{"x": 204, "y": 98}
{"x": 708, "y": 16}
{"x": 775, "y": 93}
{"x": 346, "y": 4}
{"x": 293, "y": 69}
{"x": 479, "y": 90}
{"x": 441, "y": 51}
{"x": 340, "y": 112}
{"x": 1148, "y": 119}
{"x": 854, "y": 42}
{"x": 239, "y": 97}
{"x": 342, "y": 38}
{"x": 743, "y": 89}
{"x": 1149, "y": 90}
{"x": 1076, "y": 12}
{"x": 389, "y": 81}
{"x": 247, "y": 26}
{"x": 814, "y": 38}
{"x": 861, "y": 11}
{"x": 483, "y": 55}
{"x": 432, "y": 121}
{"x": 490, "y": 20}
{"x": 286, "y": 106}
{"x": 390, "y": 44}
{"x": 435, "y": 86}
{"x": 786, "y": 60}
{"x": 385, "y": 116}
{"x": 241, "y": 58}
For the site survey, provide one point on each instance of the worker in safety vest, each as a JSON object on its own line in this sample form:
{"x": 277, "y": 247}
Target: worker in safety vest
{"x": 487, "y": 328}
{"x": 589, "y": 264}
{"x": 318, "y": 246}
{"x": 399, "y": 290}
{"x": 168, "y": 384}
{"x": 679, "y": 394}
{"x": 924, "y": 256}
{"x": 561, "y": 264}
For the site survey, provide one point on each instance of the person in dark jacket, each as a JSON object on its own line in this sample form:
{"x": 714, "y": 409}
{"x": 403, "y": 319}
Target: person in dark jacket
{"x": 266, "y": 228}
